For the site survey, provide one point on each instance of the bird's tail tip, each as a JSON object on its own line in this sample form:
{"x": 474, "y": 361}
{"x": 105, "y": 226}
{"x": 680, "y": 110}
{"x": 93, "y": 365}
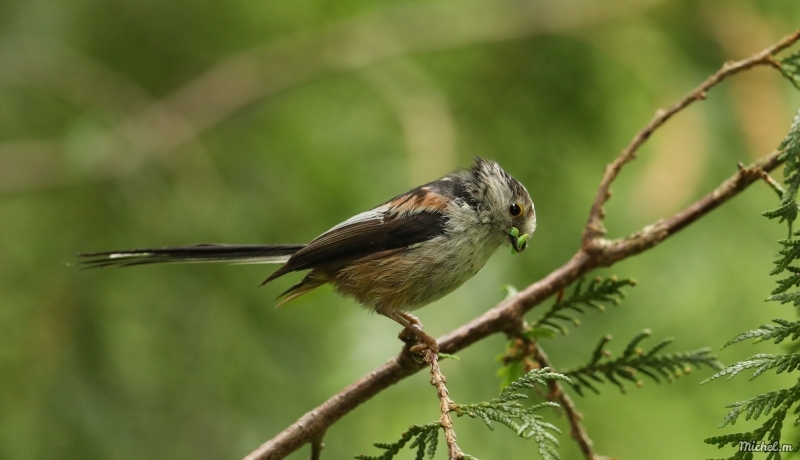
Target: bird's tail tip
{"x": 235, "y": 254}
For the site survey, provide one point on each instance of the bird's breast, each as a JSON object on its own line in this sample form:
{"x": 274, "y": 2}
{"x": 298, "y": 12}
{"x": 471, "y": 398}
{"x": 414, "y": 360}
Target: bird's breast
{"x": 420, "y": 274}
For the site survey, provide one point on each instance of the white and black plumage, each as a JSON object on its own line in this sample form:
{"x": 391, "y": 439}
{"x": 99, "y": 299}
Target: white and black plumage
{"x": 394, "y": 258}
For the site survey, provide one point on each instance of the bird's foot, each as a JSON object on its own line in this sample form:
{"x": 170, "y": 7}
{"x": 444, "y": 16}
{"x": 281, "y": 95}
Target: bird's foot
{"x": 424, "y": 346}
{"x": 421, "y": 344}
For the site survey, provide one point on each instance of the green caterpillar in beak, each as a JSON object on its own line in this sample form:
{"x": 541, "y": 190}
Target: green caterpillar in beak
{"x": 518, "y": 242}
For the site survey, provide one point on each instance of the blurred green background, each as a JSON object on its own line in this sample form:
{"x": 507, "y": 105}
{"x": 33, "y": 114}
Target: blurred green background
{"x": 131, "y": 123}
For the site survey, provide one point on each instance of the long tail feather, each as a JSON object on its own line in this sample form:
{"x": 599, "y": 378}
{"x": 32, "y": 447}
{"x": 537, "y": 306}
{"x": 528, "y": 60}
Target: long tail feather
{"x": 236, "y": 254}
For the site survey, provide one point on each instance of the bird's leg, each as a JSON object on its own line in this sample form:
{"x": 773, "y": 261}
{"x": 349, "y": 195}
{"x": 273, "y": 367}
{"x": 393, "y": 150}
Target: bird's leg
{"x": 414, "y": 326}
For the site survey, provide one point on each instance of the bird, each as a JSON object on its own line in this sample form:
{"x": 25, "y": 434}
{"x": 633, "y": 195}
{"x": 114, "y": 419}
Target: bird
{"x": 392, "y": 259}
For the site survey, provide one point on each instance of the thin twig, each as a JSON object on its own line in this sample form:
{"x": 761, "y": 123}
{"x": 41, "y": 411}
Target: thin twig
{"x": 445, "y": 406}
{"x": 557, "y": 393}
{"x": 506, "y": 316}
{"x": 773, "y": 184}
{"x": 595, "y": 230}
{"x": 317, "y": 444}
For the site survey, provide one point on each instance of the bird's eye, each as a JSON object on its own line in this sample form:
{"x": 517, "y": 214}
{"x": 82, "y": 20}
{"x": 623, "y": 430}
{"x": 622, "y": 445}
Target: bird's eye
{"x": 515, "y": 210}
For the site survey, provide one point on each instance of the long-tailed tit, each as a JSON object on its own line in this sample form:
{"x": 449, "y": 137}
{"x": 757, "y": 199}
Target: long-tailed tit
{"x": 394, "y": 258}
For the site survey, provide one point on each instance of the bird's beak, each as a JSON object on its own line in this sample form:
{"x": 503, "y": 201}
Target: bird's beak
{"x": 518, "y": 242}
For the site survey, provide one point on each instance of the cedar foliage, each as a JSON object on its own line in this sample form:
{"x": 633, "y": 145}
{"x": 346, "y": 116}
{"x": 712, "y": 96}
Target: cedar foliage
{"x": 778, "y": 404}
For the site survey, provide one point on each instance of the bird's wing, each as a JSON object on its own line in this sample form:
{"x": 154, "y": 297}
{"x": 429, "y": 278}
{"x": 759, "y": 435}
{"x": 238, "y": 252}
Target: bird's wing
{"x": 411, "y": 218}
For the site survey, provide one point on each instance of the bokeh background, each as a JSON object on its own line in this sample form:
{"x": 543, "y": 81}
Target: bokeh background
{"x": 131, "y": 123}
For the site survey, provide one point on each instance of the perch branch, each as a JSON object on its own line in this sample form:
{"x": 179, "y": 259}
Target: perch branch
{"x": 507, "y": 315}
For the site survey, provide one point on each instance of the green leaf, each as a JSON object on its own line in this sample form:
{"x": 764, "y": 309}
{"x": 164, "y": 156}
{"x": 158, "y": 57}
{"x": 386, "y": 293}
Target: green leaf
{"x": 790, "y": 68}
{"x": 596, "y": 295}
{"x": 774, "y": 404}
{"x": 779, "y": 331}
{"x": 448, "y": 356}
{"x": 425, "y": 440}
{"x": 657, "y": 366}
{"x": 508, "y": 411}
{"x": 790, "y": 148}
{"x": 760, "y": 363}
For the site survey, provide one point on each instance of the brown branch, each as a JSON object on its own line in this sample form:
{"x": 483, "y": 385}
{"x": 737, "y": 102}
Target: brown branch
{"x": 507, "y": 315}
{"x": 557, "y": 394}
{"x": 317, "y": 445}
{"x": 445, "y": 406}
{"x": 594, "y": 227}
